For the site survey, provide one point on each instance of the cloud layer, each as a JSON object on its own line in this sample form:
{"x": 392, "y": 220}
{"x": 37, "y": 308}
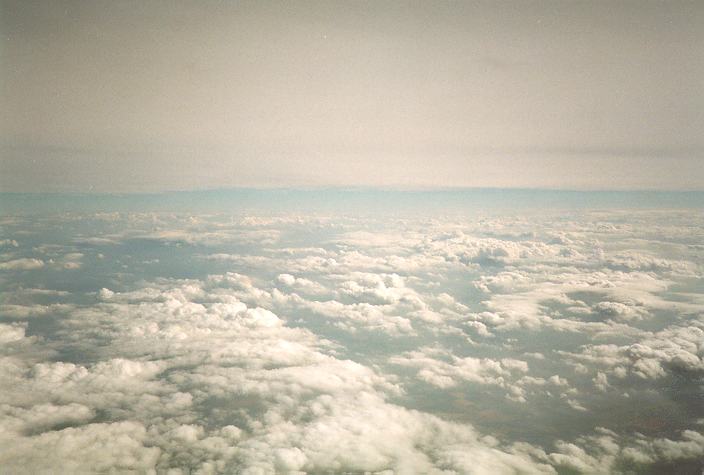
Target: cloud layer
{"x": 161, "y": 343}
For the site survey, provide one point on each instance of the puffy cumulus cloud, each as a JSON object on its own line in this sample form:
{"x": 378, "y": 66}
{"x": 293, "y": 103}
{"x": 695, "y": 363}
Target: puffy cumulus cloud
{"x": 301, "y": 344}
{"x": 662, "y": 353}
{"x": 364, "y": 301}
{"x": 377, "y": 302}
{"x": 596, "y": 302}
{"x": 503, "y": 282}
{"x": 215, "y": 386}
{"x": 579, "y": 283}
{"x": 93, "y": 448}
{"x": 468, "y": 247}
{"x": 22, "y": 294}
{"x": 240, "y": 287}
{"x": 302, "y": 285}
{"x": 444, "y": 370}
{"x": 337, "y": 261}
{"x": 10, "y": 333}
{"x": 177, "y": 229}
{"x": 23, "y": 312}
{"x": 638, "y": 261}
{"x": 369, "y": 435}
{"x": 25, "y": 263}
{"x": 377, "y": 289}
{"x": 383, "y": 240}
{"x": 607, "y": 452}
{"x": 42, "y": 427}
{"x": 619, "y": 310}
{"x": 42, "y": 417}
{"x": 62, "y": 256}
{"x": 8, "y": 243}
{"x": 357, "y": 316}
{"x": 203, "y": 235}
{"x": 116, "y": 388}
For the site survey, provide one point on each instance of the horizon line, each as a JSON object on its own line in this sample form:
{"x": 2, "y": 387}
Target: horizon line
{"x": 356, "y": 188}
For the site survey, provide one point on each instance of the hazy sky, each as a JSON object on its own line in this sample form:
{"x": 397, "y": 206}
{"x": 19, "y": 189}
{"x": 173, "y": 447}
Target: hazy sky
{"x": 141, "y": 96}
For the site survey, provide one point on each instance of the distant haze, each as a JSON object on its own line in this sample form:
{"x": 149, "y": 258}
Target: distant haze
{"x": 150, "y": 96}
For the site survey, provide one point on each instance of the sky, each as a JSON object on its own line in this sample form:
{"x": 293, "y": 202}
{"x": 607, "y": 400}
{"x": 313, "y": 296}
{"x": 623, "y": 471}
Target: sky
{"x": 153, "y": 96}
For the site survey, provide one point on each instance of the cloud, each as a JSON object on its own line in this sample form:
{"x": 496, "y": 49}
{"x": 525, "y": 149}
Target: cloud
{"x": 239, "y": 353}
{"x": 444, "y": 370}
{"x": 70, "y": 261}
{"x": 228, "y": 352}
{"x": 87, "y": 449}
{"x": 355, "y": 350}
{"x": 10, "y": 333}
{"x": 674, "y": 349}
{"x": 22, "y": 264}
{"x": 606, "y": 452}
{"x": 302, "y": 285}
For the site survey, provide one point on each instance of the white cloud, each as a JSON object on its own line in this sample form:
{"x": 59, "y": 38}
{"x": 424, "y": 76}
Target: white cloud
{"x": 231, "y": 372}
{"x": 675, "y": 348}
{"x": 22, "y": 264}
{"x": 93, "y": 448}
{"x": 10, "y": 333}
{"x": 302, "y": 285}
{"x": 443, "y": 370}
